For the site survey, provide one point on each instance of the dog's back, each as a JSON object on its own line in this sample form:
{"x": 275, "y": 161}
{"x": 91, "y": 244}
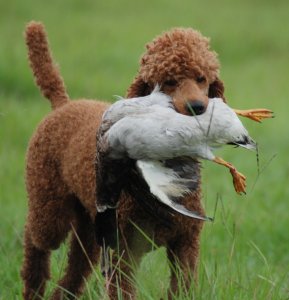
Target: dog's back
{"x": 67, "y": 136}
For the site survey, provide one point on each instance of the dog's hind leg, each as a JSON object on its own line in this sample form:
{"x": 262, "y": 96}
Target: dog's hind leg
{"x": 41, "y": 236}
{"x": 83, "y": 255}
{"x": 47, "y": 226}
{"x": 35, "y": 269}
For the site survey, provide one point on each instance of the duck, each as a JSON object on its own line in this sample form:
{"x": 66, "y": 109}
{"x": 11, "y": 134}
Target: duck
{"x": 150, "y": 132}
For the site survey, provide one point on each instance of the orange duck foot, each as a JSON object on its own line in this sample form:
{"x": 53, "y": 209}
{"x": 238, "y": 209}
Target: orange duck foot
{"x": 239, "y": 181}
{"x": 255, "y": 114}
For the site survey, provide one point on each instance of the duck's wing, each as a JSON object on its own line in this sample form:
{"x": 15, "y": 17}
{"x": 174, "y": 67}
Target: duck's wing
{"x": 169, "y": 183}
{"x": 134, "y": 106}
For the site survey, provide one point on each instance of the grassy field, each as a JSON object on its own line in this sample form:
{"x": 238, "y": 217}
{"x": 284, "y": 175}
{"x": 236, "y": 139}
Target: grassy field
{"x": 244, "y": 252}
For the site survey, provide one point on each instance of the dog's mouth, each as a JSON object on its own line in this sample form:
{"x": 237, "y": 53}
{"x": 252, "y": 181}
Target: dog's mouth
{"x": 190, "y": 107}
{"x": 195, "y": 108}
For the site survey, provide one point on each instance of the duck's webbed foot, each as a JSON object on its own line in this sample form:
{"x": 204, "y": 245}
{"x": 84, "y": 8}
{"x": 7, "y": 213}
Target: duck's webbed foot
{"x": 255, "y": 114}
{"x": 239, "y": 180}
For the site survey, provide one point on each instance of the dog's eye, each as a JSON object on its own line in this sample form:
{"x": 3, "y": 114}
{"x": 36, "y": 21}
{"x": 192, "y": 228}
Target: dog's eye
{"x": 171, "y": 82}
{"x": 201, "y": 79}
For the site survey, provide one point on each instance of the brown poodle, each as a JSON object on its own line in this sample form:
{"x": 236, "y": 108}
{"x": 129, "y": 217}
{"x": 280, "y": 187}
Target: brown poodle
{"x": 60, "y": 172}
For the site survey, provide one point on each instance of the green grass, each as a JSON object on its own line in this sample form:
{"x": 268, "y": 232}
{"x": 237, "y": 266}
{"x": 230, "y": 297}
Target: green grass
{"x": 244, "y": 253}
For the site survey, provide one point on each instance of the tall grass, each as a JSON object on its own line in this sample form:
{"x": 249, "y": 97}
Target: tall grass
{"x": 244, "y": 253}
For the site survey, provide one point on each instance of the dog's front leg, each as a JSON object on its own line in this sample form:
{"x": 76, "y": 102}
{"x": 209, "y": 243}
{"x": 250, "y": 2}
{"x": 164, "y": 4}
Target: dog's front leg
{"x": 132, "y": 245}
{"x": 119, "y": 280}
{"x": 183, "y": 259}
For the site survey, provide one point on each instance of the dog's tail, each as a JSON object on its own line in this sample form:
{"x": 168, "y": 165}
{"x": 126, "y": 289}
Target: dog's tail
{"x": 45, "y": 71}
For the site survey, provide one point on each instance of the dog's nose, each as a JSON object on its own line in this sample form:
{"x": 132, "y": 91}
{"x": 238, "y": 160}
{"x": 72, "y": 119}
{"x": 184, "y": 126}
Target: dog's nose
{"x": 195, "y": 107}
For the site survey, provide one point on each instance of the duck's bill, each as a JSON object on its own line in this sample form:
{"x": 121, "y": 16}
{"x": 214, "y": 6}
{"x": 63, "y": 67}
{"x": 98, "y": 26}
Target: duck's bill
{"x": 246, "y": 143}
{"x": 248, "y": 146}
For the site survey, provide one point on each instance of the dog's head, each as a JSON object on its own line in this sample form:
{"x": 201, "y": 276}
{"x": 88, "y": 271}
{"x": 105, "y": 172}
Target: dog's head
{"x": 182, "y": 64}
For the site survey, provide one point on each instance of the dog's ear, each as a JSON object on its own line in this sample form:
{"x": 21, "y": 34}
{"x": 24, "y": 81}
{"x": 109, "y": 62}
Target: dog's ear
{"x": 138, "y": 88}
{"x": 217, "y": 89}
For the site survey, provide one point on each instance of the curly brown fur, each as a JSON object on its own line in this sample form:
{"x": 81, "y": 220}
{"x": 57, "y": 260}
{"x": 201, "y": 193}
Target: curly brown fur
{"x": 60, "y": 171}
{"x": 45, "y": 71}
{"x": 181, "y": 62}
